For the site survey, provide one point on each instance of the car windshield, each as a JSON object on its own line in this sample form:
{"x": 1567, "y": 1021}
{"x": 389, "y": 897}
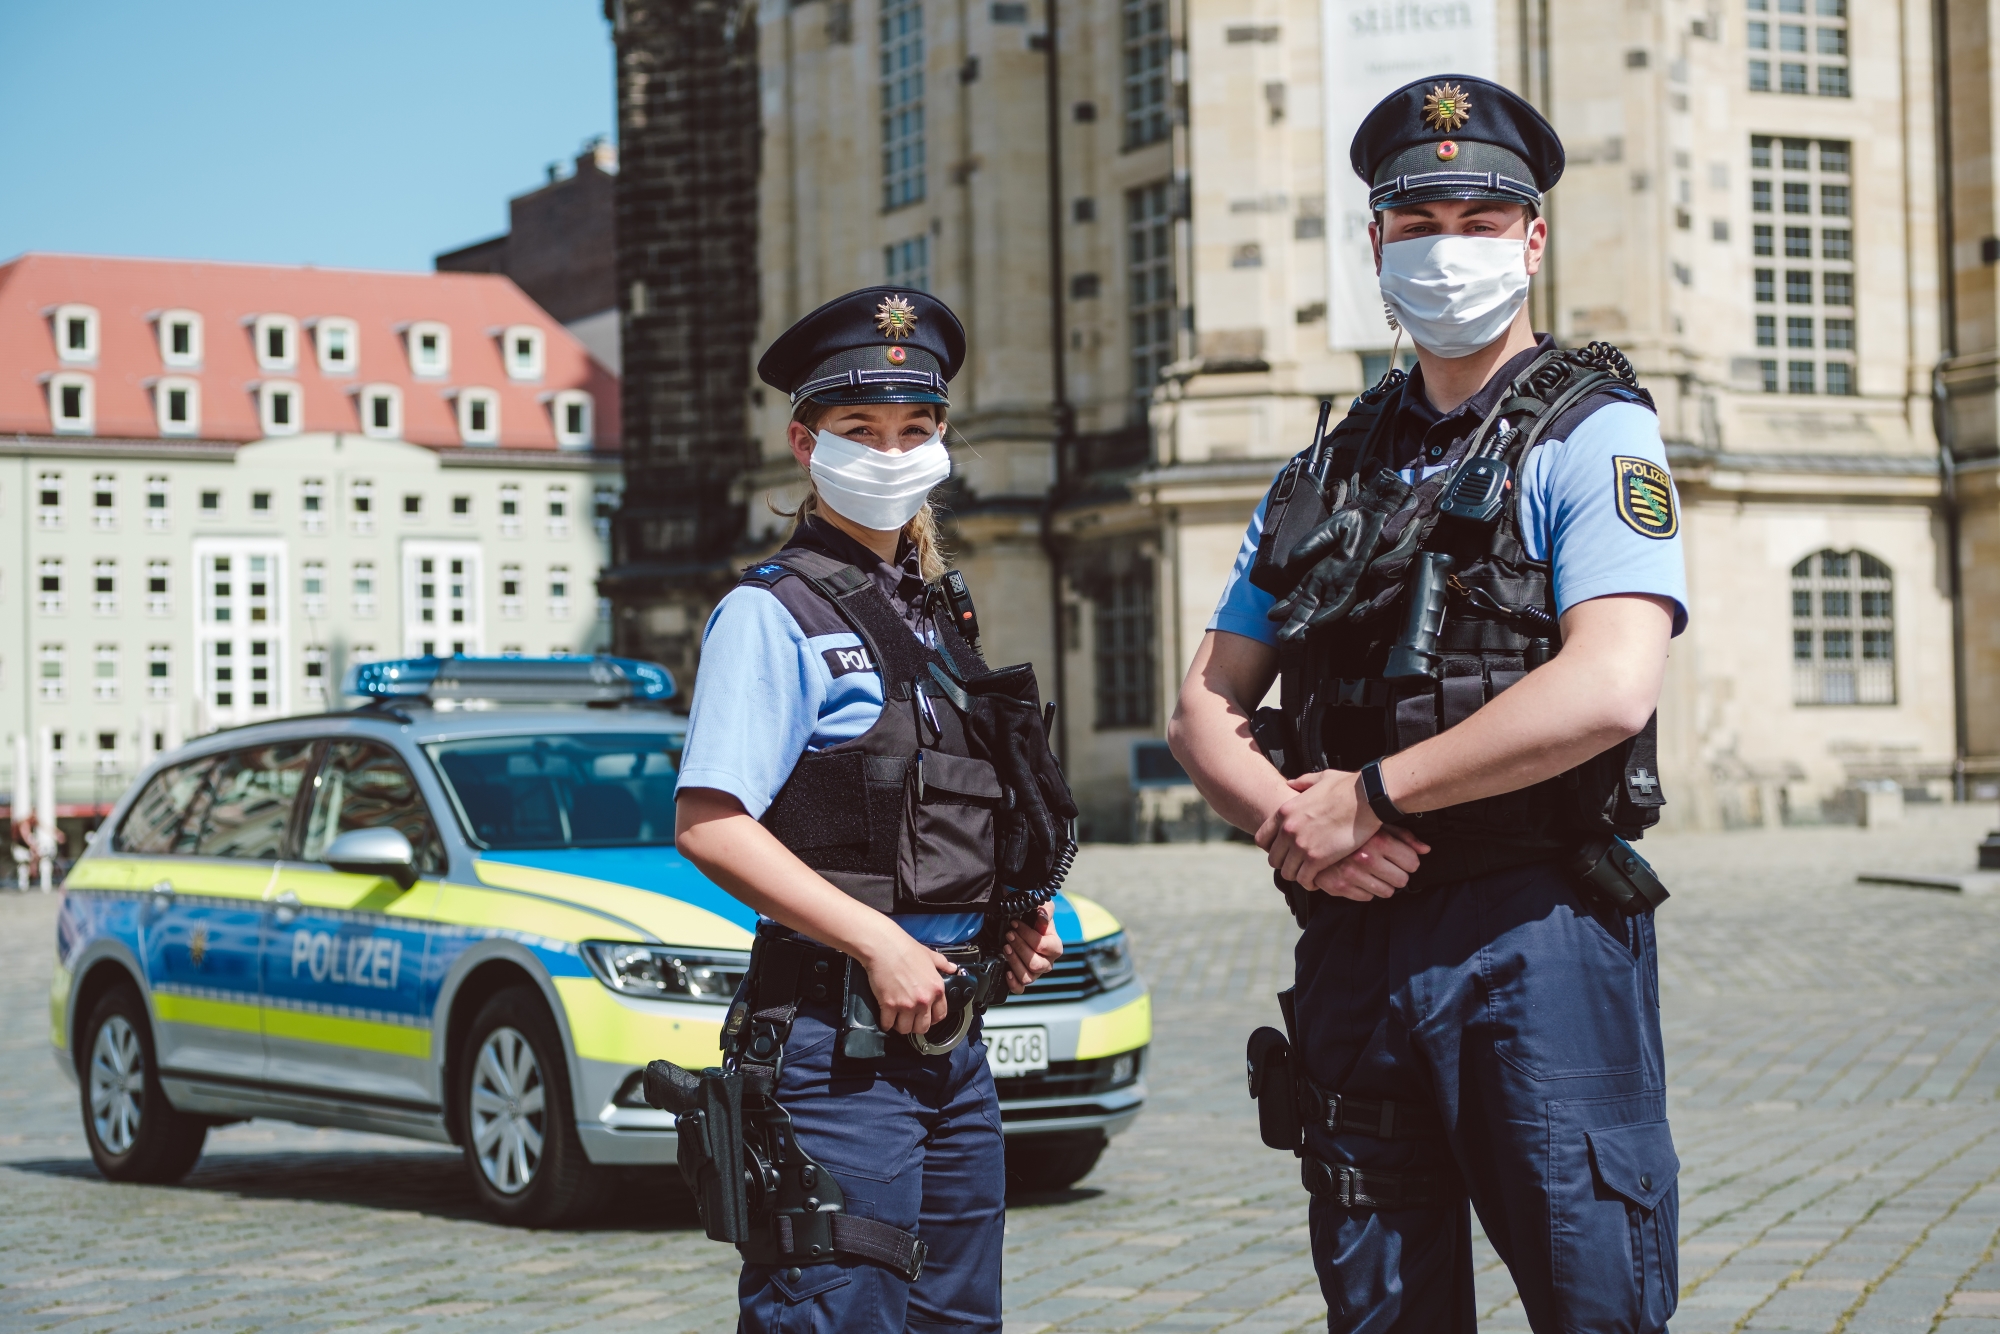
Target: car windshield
{"x": 585, "y": 790}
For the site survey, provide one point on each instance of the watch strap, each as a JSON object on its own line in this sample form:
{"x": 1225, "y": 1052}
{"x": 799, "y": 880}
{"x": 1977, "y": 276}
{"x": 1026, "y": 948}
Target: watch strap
{"x": 1377, "y": 793}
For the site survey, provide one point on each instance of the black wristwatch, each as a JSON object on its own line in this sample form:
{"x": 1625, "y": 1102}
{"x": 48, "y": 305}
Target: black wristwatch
{"x": 1378, "y": 795}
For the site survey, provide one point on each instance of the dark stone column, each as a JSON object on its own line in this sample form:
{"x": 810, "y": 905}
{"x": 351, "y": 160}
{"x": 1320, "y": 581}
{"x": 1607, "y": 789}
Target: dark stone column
{"x": 688, "y": 144}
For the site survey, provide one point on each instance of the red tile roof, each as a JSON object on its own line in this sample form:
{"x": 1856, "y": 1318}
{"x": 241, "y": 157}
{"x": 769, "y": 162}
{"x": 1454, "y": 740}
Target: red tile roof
{"x": 125, "y": 292}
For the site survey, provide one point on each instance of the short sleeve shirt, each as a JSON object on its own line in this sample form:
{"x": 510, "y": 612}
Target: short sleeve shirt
{"x": 782, "y": 674}
{"x": 1580, "y": 508}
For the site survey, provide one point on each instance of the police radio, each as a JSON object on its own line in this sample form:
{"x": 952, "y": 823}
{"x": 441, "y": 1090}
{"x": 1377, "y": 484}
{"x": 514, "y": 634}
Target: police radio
{"x": 958, "y": 602}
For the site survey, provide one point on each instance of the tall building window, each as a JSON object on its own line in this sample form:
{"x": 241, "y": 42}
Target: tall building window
{"x": 558, "y": 511}
{"x": 1814, "y": 179}
{"x": 510, "y": 510}
{"x": 908, "y": 263}
{"x": 48, "y": 500}
{"x": 902, "y": 29}
{"x": 510, "y": 591}
{"x": 1124, "y": 648}
{"x": 51, "y": 671}
{"x": 1145, "y": 73}
{"x": 1843, "y": 630}
{"x": 104, "y": 683}
{"x": 1149, "y": 276}
{"x": 361, "y": 495}
{"x": 312, "y": 589}
{"x": 49, "y": 594}
{"x": 313, "y": 659}
{"x": 558, "y": 592}
{"x": 159, "y": 671}
{"x": 104, "y": 501}
{"x": 158, "y": 599}
{"x": 157, "y": 493}
{"x": 104, "y": 586}
{"x": 364, "y": 588}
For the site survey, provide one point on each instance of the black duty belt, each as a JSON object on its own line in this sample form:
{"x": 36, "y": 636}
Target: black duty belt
{"x": 1386, "y": 1119}
{"x": 1353, "y": 1187}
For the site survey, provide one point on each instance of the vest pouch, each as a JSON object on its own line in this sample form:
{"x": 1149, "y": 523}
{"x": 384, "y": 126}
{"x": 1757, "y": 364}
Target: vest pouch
{"x": 1005, "y": 725}
{"x": 945, "y": 856}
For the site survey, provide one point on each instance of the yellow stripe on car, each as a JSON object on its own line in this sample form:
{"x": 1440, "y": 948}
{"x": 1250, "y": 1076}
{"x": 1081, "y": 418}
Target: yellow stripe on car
{"x": 334, "y": 1031}
{"x": 1122, "y": 1029}
{"x": 234, "y": 1016}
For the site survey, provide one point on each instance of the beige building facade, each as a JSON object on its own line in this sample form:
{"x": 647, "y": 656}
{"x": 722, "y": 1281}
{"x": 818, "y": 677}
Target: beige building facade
{"x": 1144, "y": 234}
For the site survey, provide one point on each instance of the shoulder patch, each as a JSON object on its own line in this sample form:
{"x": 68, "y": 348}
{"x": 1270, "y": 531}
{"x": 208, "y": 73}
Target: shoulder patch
{"x": 1645, "y": 497}
{"x": 770, "y": 572}
{"x": 842, "y": 661}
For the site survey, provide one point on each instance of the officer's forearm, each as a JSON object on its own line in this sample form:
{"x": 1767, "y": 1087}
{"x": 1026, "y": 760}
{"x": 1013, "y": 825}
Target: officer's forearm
{"x": 1596, "y": 692}
{"x": 1210, "y": 730}
{"x": 713, "y": 831}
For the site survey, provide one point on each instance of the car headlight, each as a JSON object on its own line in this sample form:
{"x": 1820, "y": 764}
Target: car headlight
{"x": 1110, "y": 961}
{"x": 665, "y": 973}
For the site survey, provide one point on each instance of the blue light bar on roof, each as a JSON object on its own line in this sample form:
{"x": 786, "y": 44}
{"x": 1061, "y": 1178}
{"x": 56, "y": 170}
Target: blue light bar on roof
{"x": 561, "y": 680}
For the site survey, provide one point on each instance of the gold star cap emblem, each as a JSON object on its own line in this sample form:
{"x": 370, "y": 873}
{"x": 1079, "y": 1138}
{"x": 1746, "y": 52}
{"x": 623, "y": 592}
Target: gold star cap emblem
{"x": 896, "y": 317}
{"x": 1446, "y": 108}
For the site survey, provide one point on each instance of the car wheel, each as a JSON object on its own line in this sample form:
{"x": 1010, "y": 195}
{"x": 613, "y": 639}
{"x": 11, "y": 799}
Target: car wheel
{"x": 1052, "y": 1162}
{"x": 521, "y": 1147}
{"x": 134, "y": 1132}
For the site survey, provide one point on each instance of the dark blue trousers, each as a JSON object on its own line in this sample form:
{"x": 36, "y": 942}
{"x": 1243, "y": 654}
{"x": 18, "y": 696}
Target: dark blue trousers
{"x": 914, "y": 1141}
{"x": 1531, "y": 1023}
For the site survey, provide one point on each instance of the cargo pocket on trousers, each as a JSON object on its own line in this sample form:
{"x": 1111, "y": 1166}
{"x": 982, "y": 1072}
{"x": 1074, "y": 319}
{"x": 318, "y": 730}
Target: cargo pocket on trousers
{"x": 945, "y": 855}
{"x": 787, "y": 1305}
{"x": 1625, "y": 1206}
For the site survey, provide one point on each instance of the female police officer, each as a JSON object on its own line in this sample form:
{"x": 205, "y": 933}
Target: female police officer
{"x": 827, "y": 663}
{"x": 1492, "y": 1031}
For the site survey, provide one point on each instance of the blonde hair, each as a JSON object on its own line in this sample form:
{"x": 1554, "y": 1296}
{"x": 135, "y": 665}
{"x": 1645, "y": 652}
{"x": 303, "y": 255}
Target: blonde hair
{"x": 922, "y": 530}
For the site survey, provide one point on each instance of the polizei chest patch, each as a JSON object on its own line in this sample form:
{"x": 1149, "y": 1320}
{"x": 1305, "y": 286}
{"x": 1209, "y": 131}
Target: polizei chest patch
{"x": 1645, "y": 497}
{"x": 841, "y": 661}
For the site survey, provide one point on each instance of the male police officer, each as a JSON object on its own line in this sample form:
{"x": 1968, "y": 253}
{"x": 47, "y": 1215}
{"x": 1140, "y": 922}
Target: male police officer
{"x": 1468, "y": 588}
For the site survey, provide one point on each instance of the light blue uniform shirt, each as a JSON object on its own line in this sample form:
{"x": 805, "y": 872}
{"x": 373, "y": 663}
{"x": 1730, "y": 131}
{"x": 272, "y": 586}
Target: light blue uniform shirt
{"x": 1569, "y": 515}
{"x": 768, "y": 693}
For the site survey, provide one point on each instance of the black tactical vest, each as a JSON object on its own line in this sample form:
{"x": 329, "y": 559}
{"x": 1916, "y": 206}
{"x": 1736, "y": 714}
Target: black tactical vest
{"x": 1339, "y": 709}
{"x": 951, "y": 801}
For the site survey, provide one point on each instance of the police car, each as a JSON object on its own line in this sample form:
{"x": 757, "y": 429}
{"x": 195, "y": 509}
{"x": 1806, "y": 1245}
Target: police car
{"x": 456, "y": 914}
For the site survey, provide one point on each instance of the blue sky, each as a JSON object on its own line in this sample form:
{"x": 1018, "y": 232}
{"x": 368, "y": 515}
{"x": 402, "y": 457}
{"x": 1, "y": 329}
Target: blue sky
{"x": 362, "y": 134}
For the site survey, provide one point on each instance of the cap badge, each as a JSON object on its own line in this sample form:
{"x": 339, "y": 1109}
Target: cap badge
{"x": 1446, "y": 108}
{"x": 897, "y": 356}
{"x": 896, "y": 317}
{"x": 1447, "y": 151}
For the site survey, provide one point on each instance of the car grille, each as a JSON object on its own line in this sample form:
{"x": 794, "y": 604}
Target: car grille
{"x": 1070, "y": 980}
{"x": 1073, "y": 1079}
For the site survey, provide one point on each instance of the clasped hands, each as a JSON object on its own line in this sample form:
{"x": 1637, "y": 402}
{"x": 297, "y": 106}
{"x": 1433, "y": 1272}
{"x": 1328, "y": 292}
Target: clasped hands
{"x": 1325, "y": 837}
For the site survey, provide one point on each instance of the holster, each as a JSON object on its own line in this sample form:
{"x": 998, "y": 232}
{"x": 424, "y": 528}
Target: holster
{"x": 1612, "y": 871}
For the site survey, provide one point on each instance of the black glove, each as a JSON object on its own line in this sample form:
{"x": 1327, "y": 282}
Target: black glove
{"x": 1341, "y": 547}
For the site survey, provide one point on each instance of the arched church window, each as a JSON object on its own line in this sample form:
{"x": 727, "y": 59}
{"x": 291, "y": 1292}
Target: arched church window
{"x": 1843, "y": 629}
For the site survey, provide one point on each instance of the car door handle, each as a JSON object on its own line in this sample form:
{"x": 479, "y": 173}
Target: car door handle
{"x": 163, "y": 891}
{"x": 288, "y": 907}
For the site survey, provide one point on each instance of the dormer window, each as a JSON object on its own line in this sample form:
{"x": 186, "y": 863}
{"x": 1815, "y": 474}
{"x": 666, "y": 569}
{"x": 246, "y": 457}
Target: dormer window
{"x": 339, "y": 344}
{"x": 180, "y": 338}
{"x": 76, "y": 334}
{"x": 277, "y": 339}
{"x": 72, "y": 404}
{"x": 430, "y": 349}
{"x": 478, "y": 416}
{"x": 382, "y": 411}
{"x": 571, "y": 413}
{"x": 279, "y": 407}
{"x": 177, "y": 405}
{"x": 521, "y": 349}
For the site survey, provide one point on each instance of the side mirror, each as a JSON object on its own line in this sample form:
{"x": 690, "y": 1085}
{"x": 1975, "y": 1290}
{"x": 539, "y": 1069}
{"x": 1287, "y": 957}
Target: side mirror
{"x": 380, "y": 852}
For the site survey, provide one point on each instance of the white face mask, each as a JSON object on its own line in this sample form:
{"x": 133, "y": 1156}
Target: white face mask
{"x": 1455, "y": 294}
{"x": 874, "y": 488}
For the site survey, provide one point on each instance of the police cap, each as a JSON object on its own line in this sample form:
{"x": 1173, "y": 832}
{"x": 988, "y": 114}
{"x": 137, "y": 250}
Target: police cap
{"x": 1453, "y": 136}
{"x": 877, "y": 345}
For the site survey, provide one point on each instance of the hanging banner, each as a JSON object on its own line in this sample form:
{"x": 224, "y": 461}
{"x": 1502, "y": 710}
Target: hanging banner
{"x": 1371, "y": 48}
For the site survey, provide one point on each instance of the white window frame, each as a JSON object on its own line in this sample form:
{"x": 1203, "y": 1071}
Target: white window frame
{"x": 468, "y": 400}
{"x": 267, "y": 406}
{"x": 361, "y": 505}
{"x": 510, "y": 524}
{"x": 104, "y": 518}
{"x": 108, "y": 763}
{"x": 459, "y": 516}
{"x": 510, "y": 602}
{"x": 104, "y": 684}
{"x": 519, "y": 367}
{"x": 49, "y": 603}
{"x": 560, "y": 603}
{"x": 190, "y": 359}
{"x": 332, "y": 330}
{"x": 312, "y": 604}
{"x": 365, "y": 404}
{"x": 243, "y": 630}
{"x": 75, "y": 356}
{"x": 49, "y": 685}
{"x": 453, "y": 601}
{"x": 159, "y": 517}
{"x": 86, "y": 423}
{"x": 312, "y": 684}
{"x": 435, "y": 365}
{"x": 104, "y": 602}
{"x": 312, "y": 505}
{"x": 163, "y": 391}
{"x": 261, "y": 328}
{"x": 559, "y": 414}
{"x": 363, "y": 602}
{"x": 556, "y": 502}
{"x": 161, "y": 602}
{"x": 159, "y": 685}
{"x": 48, "y": 516}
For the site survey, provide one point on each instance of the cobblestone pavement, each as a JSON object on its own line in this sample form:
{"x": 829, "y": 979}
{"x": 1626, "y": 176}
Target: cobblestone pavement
{"x": 1833, "y": 1089}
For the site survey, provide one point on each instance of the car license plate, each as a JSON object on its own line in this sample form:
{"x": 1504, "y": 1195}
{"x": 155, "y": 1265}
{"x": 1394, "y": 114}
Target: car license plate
{"x": 1017, "y": 1051}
